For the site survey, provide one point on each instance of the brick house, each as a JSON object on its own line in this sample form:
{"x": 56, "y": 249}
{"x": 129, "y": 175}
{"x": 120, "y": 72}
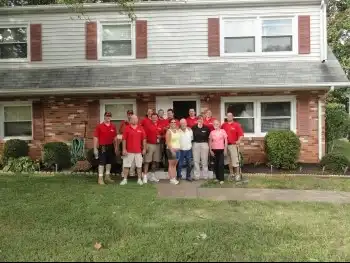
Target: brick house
{"x": 265, "y": 60}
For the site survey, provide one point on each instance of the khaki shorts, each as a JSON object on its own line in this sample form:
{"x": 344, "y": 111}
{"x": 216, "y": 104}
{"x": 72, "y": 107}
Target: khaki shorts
{"x": 153, "y": 153}
{"x": 232, "y": 152}
{"x": 132, "y": 157}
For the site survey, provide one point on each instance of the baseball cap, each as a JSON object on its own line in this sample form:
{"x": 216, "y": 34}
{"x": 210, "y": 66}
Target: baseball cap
{"x": 130, "y": 112}
{"x": 108, "y": 114}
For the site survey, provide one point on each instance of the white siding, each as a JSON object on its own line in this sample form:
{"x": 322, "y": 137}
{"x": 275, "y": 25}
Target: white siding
{"x": 174, "y": 36}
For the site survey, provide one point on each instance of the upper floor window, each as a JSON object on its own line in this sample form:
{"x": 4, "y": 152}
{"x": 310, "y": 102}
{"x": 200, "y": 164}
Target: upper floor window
{"x": 116, "y": 40}
{"x": 277, "y": 35}
{"x": 13, "y": 43}
{"x": 239, "y": 36}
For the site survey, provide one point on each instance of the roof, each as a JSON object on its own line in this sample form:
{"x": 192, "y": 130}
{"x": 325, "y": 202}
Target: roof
{"x": 185, "y": 75}
{"x": 152, "y": 5}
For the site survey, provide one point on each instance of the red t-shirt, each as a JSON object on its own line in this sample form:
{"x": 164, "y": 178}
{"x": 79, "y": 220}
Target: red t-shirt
{"x": 122, "y": 126}
{"x": 134, "y": 138}
{"x": 191, "y": 121}
{"x": 163, "y": 123}
{"x": 233, "y": 130}
{"x": 209, "y": 123}
{"x": 105, "y": 133}
{"x": 146, "y": 121}
{"x": 153, "y": 131}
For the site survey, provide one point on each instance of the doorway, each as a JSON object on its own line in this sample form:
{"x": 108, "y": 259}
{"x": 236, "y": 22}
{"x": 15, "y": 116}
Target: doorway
{"x": 181, "y": 108}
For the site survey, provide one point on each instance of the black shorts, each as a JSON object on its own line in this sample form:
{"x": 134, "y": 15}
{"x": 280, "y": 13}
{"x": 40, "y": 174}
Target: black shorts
{"x": 106, "y": 154}
{"x": 172, "y": 155}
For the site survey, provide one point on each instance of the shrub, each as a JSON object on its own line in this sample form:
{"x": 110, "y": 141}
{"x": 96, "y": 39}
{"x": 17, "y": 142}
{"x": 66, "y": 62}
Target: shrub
{"x": 335, "y": 162}
{"x": 56, "y": 153}
{"x": 337, "y": 124}
{"x": 15, "y": 149}
{"x": 21, "y": 165}
{"x": 282, "y": 149}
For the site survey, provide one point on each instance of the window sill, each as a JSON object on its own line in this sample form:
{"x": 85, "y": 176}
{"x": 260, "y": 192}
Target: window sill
{"x": 14, "y": 60}
{"x": 24, "y": 138}
{"x": 117, "y": 58}
{"x": 260, "y": 54}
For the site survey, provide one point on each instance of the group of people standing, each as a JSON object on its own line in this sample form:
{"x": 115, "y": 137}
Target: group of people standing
{"x": 144, "y": 143}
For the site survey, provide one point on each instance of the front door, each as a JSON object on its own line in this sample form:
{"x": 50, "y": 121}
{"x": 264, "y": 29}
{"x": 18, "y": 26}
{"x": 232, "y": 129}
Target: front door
{"x": 181, "y": 108}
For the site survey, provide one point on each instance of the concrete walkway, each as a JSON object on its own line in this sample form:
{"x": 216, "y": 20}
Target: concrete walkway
{"x": 193, "y": 190}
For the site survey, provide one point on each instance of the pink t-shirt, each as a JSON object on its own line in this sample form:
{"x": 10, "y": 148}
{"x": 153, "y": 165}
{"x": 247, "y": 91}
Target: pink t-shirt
{"x": 217, "y": 139}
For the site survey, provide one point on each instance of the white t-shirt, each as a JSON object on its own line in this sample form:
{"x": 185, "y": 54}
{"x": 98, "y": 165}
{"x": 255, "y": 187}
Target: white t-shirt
{"x": 186, "y": 138}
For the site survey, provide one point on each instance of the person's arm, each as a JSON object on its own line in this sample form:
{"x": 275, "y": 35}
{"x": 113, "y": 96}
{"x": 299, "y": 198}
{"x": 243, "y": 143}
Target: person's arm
{"x": 144, "y": 142}
{"x": 168, "y": 139}
{"x": 210, "y": 143}
{"x": 95, "y": 141}
{"x": 125, "y": 135}
{"x": 225, "y": 141}
{"x": 240, "y": 134}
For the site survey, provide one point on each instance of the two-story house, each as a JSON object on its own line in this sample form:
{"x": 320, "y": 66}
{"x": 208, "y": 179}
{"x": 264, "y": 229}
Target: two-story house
{"x": 267, "y": 61}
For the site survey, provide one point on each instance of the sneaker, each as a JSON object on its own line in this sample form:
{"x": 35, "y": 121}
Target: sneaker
{"x": 221, "y": 182}
{"x": 124, "y": 182}
{"x": 238, "y": 178}
{"x": 153, "y": 178}
{"x": 139, "y": 181}
{"x": 145, "y": 178}
{"x": 174, "y": 181}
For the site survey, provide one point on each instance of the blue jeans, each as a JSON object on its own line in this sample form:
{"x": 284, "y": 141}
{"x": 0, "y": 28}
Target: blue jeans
{"x": 185, "y": 155}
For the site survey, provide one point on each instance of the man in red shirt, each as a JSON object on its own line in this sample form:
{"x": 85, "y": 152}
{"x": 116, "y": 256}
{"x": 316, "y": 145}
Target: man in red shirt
{"x": 153, "y": 153}
{"x": 105, "y": 147}
{"x": 161, "y": 120}
{"x": 234, "y": 136}
{"x": 134, "y": 146}
{"x": 209, "y": 120}
{"x": 147, "y": 120}
{"x": 192, "y": 119}
{"x": 122, "y": 126}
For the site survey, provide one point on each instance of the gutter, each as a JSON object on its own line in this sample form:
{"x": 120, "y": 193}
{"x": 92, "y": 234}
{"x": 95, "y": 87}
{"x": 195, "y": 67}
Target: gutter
{"x": 152, "y": 5}
{"x": 194, "y": 88}
{"x": 320, "y": 141}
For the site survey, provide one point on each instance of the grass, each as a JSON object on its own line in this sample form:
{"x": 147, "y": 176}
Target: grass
{"x": 289, "y": 182}
{"x": 62, "y": 217}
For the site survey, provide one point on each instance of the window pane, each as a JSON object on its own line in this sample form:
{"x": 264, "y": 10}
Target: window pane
{"x": 275, "y": 109}
{"x": 239, "y": 28}
{"x": 272, "y": 44}
{"x": 18, "y": 128}
{"x": 18, "y": 113}
{"x": 275, "y": 124}
{"x": 240, "y": 109}
{"x": 238, "y": 45}
{"x": 13, "y": 51}
{"x": 116, "y": 48}
{"x": 247, "y": 124}
{"x": 113, "y": 32}
{"x": 118, "y": 110}
{"x": 277, "y": 27}
{"x": 11, "y": 35}
{"x": 116, "y": 123}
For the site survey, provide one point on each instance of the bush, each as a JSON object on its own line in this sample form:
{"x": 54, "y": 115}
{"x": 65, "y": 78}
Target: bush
{"x": 21, "y": 165}
{"x": 335, "y": 162}
{"x": 282, "y": 149}
{"x": 337, "y": 124}
{"x": 56, "y": 153}
{"x": 15, "y": 149}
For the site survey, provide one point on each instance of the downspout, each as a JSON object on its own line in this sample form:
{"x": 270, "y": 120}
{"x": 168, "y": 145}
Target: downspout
{"x": 321, "y": 31}
{"x": 324, "y": 33}
{"x": 320, "y": 141}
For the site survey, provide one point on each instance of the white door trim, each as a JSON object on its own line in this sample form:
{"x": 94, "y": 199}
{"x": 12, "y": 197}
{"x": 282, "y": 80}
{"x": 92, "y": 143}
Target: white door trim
{"x": 166, "y": 102}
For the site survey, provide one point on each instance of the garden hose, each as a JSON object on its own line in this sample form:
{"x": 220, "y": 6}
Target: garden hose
{"x": 78, "y": 149}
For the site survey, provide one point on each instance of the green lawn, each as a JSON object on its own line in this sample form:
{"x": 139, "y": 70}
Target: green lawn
{"x": 289, "y": 182}
{"x": 60, "y": 218}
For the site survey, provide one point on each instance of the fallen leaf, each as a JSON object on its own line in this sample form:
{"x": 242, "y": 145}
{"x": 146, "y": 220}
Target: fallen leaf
{"x": 98, "y": 246}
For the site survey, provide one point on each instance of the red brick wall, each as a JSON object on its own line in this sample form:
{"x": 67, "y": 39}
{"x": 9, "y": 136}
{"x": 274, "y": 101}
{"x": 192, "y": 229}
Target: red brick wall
{"x": 66, "y": 117}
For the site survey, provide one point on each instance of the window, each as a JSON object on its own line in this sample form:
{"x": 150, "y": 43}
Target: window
{"x": 16, "y": 120}
{"x": 239, "y": 36}
{"x": 118, "y": 108}
{"x": 275, "y": 116}
{"x": 277, "y": 35}
{"x": 116, "y": 40}
{"x": 243, "y": 113}
{"x": 13, "y": 43}
{"x": 258, "y": 115}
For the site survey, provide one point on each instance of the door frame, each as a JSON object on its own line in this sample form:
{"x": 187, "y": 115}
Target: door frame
{"x": 161, "y": 101}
